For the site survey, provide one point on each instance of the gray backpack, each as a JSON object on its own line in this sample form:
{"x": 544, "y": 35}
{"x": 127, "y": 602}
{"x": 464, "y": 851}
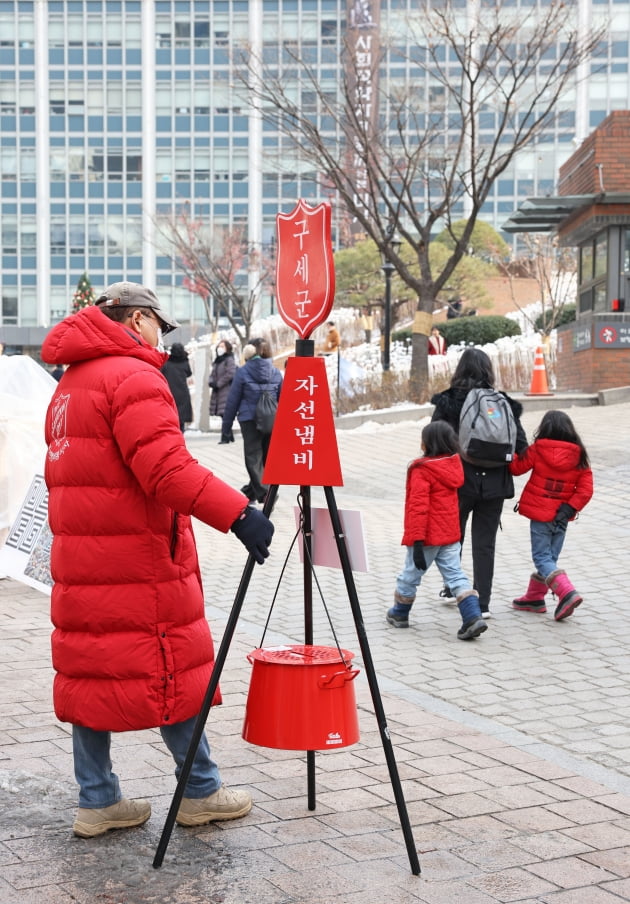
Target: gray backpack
{"x": 487, "y": 428}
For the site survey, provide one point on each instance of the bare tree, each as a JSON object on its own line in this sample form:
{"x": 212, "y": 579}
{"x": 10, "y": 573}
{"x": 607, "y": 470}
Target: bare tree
{"x": 217, "y": 264}
{"x": 423, "y": 151}
{"x": 554, "y": 268}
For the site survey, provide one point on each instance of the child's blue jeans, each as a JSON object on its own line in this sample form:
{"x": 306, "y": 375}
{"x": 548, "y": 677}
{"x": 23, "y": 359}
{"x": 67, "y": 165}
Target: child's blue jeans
{"x": 547, "y": 543}
{"x": 447, "y": 559}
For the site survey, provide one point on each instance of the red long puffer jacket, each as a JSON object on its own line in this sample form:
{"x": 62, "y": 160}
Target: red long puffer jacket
{"x": 131, "y": 646}
{"x": 431, "y": 503}
{"x": 555, "y": 479}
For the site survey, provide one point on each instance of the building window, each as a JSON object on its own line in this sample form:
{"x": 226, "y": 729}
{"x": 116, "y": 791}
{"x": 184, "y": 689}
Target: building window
{"x": 586, "y": 263}
{"x": 9, "y": 308}
{"x": 601, "y": 255}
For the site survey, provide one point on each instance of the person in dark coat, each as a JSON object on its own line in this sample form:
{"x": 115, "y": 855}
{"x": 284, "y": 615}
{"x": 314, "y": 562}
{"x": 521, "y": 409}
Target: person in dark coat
{"x": 256, "y": 374}
{"x": 485, "y": 488}
{"x": 220, "y": 380}
{"x": 177, "y": 371}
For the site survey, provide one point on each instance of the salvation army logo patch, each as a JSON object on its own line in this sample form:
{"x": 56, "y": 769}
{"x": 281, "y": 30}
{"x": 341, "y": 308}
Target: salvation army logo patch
{"x": 59, "y": 442}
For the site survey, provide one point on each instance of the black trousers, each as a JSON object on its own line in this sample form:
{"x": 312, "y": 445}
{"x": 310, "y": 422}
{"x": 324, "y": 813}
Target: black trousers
{"x": 485, "y": 520}
{"x": 255, "y": 448}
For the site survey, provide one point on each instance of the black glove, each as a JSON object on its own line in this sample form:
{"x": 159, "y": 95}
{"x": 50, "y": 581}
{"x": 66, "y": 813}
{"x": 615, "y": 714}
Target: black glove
{"x": 418, "y": 555}
{"x": 255, "y": 531}
{"x": 565, "y": 511}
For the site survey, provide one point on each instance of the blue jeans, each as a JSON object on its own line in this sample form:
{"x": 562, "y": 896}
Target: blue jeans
{"x": 98, "y": 785}
{"x": 447, "y": 559}
{"x": 547, "y": 543}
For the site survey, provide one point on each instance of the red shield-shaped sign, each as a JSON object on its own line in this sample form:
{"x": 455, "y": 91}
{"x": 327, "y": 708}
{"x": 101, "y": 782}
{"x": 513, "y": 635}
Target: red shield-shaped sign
{"x": 305, "y": 272}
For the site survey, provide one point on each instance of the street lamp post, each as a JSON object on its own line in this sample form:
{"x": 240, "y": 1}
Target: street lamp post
{"x": 388, "y": 269}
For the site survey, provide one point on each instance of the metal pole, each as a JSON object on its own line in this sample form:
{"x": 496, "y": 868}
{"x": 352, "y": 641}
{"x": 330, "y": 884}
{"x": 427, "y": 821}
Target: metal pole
{"x": 387, "y": 269}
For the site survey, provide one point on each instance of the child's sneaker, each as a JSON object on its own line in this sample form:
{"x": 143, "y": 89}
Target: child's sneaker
{"x": 398, "y": 620}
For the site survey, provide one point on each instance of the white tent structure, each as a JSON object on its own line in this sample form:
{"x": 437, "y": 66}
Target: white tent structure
{"x": 25, "y": 391}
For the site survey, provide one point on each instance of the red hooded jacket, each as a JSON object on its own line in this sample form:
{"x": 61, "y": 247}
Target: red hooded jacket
{"x": 555, "y": 479}
{"x": 431, "y": 503}
{"x": 131, "y": 645}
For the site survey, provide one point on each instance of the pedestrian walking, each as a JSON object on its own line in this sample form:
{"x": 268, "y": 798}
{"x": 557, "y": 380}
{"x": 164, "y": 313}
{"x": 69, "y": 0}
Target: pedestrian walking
{"x": 432, "y": 530}
{"x": 257, "y": 374}
{"x": 333, "y": 339}
{"x": 560, "y": 485}
{"x": 131, "y": 645}
{"x": 487, "y": 484}
{"x": 178, "y": 372}
{"x": 220, "y": 380}
{"x": 436, "y": 344}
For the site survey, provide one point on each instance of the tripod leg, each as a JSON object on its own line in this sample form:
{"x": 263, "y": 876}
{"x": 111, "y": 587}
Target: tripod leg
{"x": 209, "y": 695}
{"x": 372, "y": 681}
{"x": 305, "y": 492}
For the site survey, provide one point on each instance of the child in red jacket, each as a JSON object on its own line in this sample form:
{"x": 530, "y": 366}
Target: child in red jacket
{"x": 432, "y": 531}
{"x": 560, "y": 485}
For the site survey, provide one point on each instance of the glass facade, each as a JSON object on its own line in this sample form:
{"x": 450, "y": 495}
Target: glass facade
{"x": 117, "y": 113}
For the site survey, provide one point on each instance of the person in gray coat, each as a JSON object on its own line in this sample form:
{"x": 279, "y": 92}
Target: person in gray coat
{"x": 220, "y": 380}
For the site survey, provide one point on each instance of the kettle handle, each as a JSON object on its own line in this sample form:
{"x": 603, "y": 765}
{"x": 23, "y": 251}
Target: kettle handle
{"x": 337, "y": 679}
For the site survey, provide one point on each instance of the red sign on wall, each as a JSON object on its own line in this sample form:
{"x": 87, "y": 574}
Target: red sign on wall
{"x": 303, "y": 448}
{"x": 305, "y": 272}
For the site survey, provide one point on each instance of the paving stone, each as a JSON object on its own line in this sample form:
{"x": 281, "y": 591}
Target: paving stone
{"x": 539, "y": 821}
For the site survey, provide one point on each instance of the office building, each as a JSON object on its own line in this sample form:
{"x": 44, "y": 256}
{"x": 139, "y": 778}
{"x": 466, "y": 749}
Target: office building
{"x": 116, "y": 112}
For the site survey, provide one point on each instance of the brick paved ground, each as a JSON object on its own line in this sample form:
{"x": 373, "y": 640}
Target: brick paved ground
{"x": 514, "y": 750}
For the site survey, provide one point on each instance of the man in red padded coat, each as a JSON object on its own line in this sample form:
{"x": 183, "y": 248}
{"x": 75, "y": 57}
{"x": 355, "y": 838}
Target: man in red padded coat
{"x": 131, "y": 645}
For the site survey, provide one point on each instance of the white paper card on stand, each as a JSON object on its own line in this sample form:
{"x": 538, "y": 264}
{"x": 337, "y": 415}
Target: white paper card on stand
{"x": 323, "y": 545}
{"x": 25, "y": 555}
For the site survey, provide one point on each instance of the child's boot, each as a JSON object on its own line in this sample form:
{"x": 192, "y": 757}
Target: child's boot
{"x": 533, "y": 600}
{"x": 398, "y": 615}
{"x": 569, "y": 598}
{"x": 472, "y": 623}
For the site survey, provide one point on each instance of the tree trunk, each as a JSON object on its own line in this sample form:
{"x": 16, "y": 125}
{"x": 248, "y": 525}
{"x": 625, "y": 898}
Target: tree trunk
{"x": 419, "y": 373}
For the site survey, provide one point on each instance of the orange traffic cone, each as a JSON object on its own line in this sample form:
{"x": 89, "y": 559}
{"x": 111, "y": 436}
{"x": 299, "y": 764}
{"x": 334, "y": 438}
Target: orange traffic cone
{"x": 539, "y": 385}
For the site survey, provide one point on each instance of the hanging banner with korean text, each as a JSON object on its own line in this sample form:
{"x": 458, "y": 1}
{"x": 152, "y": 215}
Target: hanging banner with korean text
{"x": 305, "y": 272}
{"x": 303, "y": 448}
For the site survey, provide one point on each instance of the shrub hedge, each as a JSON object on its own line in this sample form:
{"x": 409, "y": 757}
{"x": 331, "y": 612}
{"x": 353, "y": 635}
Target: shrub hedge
{"x": 470, "y": 330}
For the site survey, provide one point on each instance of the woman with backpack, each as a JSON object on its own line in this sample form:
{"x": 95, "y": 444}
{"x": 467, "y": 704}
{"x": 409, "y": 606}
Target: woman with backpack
{"x": 257, "y": 376}
{"x": 487, "y": 478}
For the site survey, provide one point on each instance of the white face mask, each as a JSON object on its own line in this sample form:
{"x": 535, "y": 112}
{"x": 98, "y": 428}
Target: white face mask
{"x": 221, "y": 350}
{"x": 160, "y": 340}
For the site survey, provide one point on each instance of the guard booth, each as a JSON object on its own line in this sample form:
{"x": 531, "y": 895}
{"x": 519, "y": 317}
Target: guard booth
{"x": 592, "y": 213}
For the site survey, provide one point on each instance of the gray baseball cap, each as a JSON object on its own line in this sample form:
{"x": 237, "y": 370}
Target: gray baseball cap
{"x": 133, "y": 295}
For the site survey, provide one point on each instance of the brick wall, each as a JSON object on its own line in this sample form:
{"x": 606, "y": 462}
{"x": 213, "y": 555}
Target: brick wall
{"x": 608, "y": 146}
{"x": 589, "y": 369}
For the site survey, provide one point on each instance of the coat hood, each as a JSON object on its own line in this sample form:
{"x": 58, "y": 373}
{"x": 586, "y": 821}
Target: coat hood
{"x": 90, "y": 334}
{"x": 557, "y": 455}
{"x": 260, "y": 370}
{"x": 447, "y": 470}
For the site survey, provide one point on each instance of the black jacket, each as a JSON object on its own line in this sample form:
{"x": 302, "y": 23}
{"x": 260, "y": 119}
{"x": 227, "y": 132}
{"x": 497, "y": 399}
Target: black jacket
{"x": 485, "y": 483}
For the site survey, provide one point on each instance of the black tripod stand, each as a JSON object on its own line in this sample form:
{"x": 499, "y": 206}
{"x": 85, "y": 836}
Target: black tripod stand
{"x": 308, "y": 623}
